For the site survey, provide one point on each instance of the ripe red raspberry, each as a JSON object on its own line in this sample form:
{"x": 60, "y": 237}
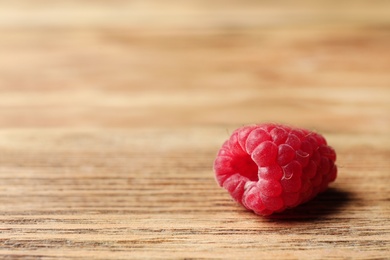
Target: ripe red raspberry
{"x": 268, "y": 168}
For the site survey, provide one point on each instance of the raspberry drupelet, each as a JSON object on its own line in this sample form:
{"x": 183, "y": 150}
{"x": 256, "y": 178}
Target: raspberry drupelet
{"x": 270, "y": 167}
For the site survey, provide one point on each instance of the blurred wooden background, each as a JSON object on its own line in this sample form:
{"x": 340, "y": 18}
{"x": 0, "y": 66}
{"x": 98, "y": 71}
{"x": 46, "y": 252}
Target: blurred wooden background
{"x": 111, "y": 113}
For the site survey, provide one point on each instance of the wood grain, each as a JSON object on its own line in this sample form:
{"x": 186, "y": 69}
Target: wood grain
{"x": 111, "y": 114}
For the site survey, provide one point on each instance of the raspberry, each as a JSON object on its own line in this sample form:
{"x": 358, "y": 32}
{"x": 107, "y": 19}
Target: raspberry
{"x": 269, "y": 167}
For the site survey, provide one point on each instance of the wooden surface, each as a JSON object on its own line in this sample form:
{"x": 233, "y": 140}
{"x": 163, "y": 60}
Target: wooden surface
{"x": 111, "y": 113}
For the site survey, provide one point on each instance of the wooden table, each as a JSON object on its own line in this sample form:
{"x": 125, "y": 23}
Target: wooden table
{"x": 111, "y": 114}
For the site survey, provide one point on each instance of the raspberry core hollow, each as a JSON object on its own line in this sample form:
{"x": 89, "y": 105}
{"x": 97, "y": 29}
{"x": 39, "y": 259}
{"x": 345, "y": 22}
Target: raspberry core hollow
{"x": 268, "y": 168}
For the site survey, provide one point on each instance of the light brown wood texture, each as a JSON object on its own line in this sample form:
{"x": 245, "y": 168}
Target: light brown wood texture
{"x": 112, "y": 112}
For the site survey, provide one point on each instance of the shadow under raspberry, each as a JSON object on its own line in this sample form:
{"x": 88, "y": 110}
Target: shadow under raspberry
{"x": 325, "y": 204}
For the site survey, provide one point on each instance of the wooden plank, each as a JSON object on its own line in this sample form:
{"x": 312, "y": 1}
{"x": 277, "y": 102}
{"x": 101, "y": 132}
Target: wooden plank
{"x": 151, "y": 193}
